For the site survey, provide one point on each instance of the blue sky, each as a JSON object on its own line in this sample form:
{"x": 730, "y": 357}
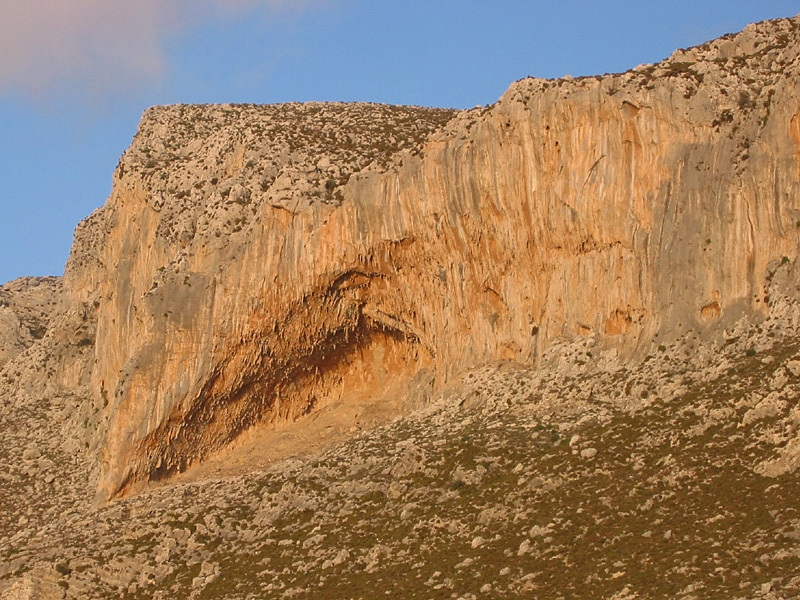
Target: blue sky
{"x": 75, "y": 75}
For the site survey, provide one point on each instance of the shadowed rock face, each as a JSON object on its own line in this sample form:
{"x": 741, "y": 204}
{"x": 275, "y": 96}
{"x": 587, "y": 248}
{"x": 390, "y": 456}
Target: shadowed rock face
{"x": 255, "y": 263}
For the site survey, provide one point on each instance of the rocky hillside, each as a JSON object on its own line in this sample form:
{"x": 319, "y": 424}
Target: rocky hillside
{"x": 674, "y": 477}
{"x": 26, "y": 305}
{"x": 345, "y": 349}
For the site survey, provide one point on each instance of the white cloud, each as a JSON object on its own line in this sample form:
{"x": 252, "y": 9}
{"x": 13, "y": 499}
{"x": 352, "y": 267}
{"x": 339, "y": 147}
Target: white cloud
{"x": 103, "y": 45}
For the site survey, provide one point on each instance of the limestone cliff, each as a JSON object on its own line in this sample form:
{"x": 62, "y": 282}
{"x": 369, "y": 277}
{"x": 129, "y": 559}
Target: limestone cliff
{"x": 256, "y": 263}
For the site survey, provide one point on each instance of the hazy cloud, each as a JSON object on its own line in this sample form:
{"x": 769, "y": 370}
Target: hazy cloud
{"x": 104, "y": 45}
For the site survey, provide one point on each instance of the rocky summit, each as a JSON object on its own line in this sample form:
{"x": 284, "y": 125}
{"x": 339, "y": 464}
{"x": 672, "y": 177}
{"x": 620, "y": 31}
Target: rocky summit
{"x": 547, "y": 348}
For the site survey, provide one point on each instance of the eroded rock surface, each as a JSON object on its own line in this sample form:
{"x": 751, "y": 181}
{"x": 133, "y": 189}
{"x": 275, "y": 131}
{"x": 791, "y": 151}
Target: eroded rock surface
{"x": 254, "y": 263}
{"x": 26, "y": 305}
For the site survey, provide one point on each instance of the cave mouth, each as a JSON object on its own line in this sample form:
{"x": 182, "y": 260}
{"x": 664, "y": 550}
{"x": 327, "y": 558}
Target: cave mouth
{"x": 373, "y": 385}
{"x": 354, "y": 374}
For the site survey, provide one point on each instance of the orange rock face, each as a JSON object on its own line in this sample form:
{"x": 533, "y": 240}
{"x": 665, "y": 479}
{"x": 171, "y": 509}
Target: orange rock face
{"x": 254, "y": 264}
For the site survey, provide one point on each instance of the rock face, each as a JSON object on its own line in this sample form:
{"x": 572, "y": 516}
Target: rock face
{"x": 254, "y": 264}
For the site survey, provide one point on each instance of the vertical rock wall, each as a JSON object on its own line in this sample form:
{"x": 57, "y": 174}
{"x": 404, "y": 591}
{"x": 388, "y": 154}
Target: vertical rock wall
{"x": 255, "y": 263}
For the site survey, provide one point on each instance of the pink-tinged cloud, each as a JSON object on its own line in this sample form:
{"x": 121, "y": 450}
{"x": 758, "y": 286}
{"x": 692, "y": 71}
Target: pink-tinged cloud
{"x": 104, "y": 45}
